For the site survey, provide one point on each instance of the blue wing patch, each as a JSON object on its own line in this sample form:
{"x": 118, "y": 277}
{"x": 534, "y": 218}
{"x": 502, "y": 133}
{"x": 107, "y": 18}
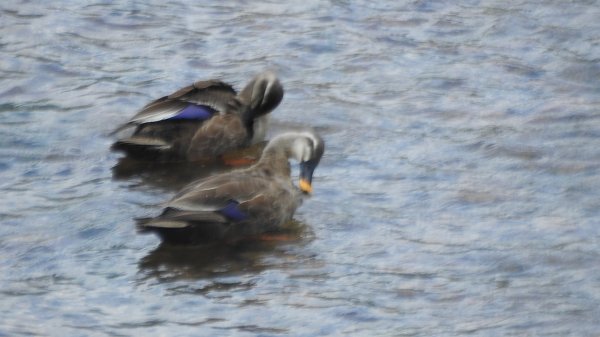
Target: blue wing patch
{"x": 232, "y": 212}
{"x": 193, "y": 111}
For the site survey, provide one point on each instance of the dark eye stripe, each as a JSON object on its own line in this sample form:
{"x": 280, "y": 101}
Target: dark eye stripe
{"x": 311, "y": 146}
{"x": 311, "y": 142}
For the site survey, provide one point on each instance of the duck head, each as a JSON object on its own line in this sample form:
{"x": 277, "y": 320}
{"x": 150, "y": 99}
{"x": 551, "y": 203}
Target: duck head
{"x": 262, "y": 94}
{"x": 258, "y": 98}
{"x": 306, "y": 147}
{"x": 308, "y": 150}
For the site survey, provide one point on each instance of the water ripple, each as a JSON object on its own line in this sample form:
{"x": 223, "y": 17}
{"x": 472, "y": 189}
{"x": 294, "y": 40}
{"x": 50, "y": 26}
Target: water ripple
{"x": 458, "y": 193}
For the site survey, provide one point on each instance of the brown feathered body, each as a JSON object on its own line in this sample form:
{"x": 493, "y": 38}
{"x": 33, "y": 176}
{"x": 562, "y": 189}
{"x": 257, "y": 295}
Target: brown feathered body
{"x": 202, "y": 121}
{"x": 235, "y": 205}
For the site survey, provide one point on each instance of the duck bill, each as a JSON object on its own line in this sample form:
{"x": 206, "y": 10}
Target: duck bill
{"x": 305, "y": 186}
{"x": 306, "y": 172}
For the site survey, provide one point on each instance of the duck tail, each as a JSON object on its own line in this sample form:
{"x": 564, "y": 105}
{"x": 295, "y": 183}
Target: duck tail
{"x": 141, "y": 147}
{"x": 184, "y": 227}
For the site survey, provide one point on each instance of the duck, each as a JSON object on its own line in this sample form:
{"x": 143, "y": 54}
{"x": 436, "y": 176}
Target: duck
{"x": 243, "y": 203}
{"x": 202, "y": 121}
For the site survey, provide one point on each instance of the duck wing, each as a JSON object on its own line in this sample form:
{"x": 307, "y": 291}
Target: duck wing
{"x": 198, "y": 101}
{"x": 220, "y": 134}
{"x": 210, "y": 210}
{"x": 219, "y": 193}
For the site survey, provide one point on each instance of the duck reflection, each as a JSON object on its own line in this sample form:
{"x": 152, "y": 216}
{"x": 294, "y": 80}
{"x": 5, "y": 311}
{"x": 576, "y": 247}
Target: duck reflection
{"x": 171, "y": 263}
{"x": 173, "y": 176}
{"x": 167, "y": 176}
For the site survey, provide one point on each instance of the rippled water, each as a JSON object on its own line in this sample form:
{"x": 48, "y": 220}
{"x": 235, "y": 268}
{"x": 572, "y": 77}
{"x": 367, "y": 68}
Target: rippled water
{"x": 459, "y": 194}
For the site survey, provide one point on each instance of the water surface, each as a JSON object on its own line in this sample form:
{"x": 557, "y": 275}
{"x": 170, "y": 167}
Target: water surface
{"x": 459, "y": 193}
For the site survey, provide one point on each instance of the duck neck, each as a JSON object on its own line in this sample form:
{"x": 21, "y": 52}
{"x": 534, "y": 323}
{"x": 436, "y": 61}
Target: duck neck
{"x": 275, "y": 161}
{"x": 239, "y": 106}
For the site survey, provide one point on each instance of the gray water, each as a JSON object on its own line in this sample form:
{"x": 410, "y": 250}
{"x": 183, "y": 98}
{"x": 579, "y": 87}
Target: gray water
{"x": 459, "y": 193}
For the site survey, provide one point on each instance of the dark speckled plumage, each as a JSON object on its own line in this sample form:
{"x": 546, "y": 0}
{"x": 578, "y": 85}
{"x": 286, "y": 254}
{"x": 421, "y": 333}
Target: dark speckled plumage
{"x": 202, "y": 121}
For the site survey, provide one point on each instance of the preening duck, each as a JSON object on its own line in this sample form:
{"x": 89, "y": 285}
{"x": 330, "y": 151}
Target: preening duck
{"x": 202, "y": 121}
{"x": 245, "y": 202}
